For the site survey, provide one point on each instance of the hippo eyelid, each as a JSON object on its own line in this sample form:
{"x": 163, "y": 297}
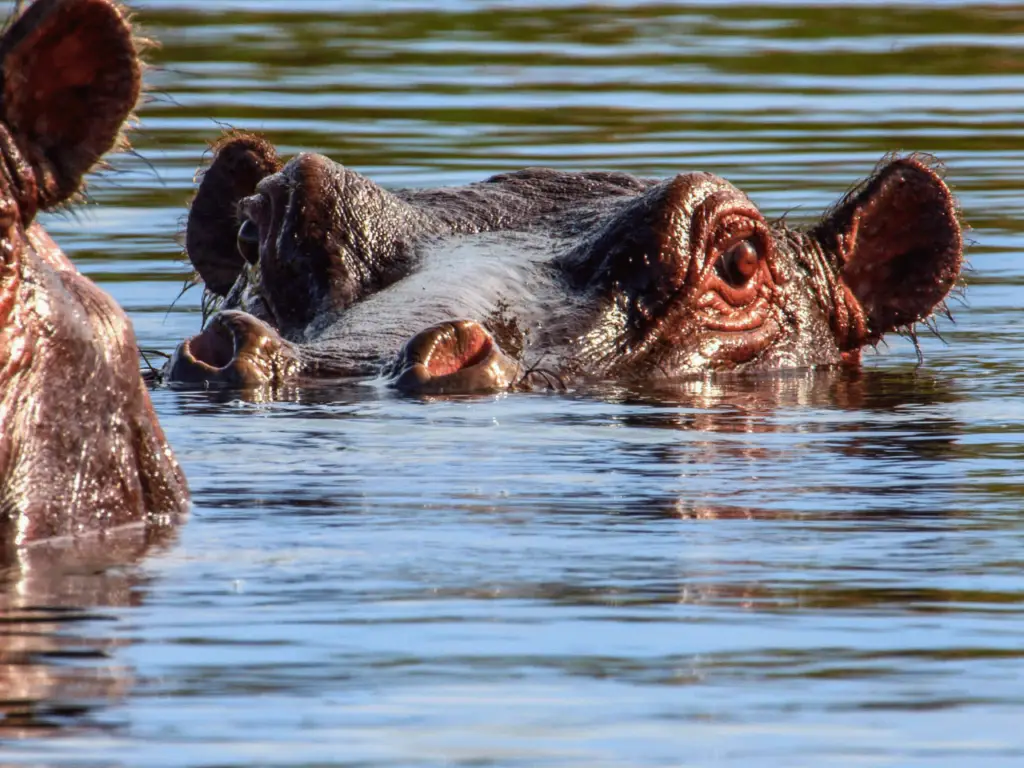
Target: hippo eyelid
{"x": 250, "y": 208}
{"x": 270, "y": 191}
{"x": 272, "y": 185}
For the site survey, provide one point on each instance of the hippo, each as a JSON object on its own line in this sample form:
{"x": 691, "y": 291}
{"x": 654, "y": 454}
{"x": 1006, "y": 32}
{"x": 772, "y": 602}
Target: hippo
{"x": 80, "y": 446}
{"x": 545, "y": 278}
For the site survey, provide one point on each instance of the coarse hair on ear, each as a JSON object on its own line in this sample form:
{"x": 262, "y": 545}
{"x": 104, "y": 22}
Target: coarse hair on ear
{"x": 898, "y": 242}
{"x": 71, "y": 76}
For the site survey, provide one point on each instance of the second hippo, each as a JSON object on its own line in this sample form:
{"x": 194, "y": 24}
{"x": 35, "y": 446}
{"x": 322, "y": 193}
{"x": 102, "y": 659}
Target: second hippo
{"x": 81, "y": 450}
{"x": 541, "y": 277}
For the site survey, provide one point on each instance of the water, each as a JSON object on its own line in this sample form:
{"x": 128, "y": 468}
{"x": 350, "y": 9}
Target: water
{"x": 809, "y": 569}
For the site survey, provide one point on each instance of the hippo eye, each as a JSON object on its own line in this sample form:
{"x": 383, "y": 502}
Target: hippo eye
{"x": 249, "y": 241}
{"x": 739, "y": 263}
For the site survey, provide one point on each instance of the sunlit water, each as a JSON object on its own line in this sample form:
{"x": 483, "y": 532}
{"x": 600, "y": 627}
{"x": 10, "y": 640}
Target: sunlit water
{"x": 808, "y": 569}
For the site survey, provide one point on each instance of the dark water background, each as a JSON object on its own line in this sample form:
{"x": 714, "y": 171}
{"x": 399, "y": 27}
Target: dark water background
{"x": 810, "y": 569}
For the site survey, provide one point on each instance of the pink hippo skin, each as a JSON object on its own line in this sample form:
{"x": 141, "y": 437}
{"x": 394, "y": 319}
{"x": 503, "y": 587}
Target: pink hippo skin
{"x": 80, "y": 446}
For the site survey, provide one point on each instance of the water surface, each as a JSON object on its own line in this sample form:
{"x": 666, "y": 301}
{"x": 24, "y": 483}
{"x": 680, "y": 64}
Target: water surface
{"x": 804, "y": 569}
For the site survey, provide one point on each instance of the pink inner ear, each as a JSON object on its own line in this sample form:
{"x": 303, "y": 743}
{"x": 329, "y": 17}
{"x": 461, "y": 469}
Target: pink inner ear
{"x": 469, "y": 348}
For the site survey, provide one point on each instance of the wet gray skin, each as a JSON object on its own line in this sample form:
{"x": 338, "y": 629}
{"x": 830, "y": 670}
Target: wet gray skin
{"x": 541, "y": 278}
{"x": 80, "y": 446}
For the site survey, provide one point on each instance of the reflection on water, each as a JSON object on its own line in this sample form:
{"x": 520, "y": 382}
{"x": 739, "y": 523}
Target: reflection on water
{"x": 58, "y": 661}
{"x": 814, "y": 568}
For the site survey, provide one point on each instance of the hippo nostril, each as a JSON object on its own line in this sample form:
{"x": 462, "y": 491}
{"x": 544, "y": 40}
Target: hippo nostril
{"x": 215, "y": 346}
{"x": 458, "y": 357}
{"x": 249, "y": 241}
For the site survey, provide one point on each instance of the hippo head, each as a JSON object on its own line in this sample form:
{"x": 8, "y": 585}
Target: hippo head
{"x": 80, "y": 446}
{"x": 694, "y": 278}
{"x": 612, "y": 276}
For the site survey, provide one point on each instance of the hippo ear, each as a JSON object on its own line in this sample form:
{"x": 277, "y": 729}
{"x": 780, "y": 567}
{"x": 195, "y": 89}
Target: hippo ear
{"x": 240, "y": 162}
{"x": 898, "y": 243}
{"x": 71, "y": 76}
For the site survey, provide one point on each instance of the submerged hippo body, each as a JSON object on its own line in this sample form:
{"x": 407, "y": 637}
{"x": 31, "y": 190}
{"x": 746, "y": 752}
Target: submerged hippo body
{"x": 80, "y": 446}
{"x": 543, "y": 276}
